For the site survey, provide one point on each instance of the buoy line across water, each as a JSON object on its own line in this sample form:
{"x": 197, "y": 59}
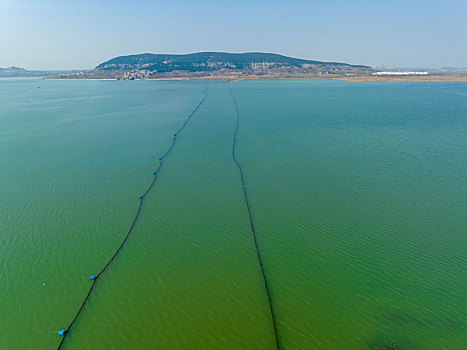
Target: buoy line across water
{"x": 250, "y": 216}
{"x": 94, "y": 278}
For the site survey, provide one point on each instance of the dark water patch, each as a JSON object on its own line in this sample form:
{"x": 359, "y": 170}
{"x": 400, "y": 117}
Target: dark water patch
{"x": 435, "y": 322}
{"x": 386, "y": 347}
{"x": 406, "y": 318}
{"x": 391, "y": 341}
{"x": 454, "y": 324}
{"x": 400, "y": 317}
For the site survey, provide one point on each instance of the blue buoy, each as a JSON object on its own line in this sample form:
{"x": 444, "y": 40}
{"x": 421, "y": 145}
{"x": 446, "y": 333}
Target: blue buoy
{"x": 93, "y": 277}
{"x": 62, "y": 332}
{"x": 154, "y": 172}
{"x": 140, "y": 197}
{"x": 160, "y": 158}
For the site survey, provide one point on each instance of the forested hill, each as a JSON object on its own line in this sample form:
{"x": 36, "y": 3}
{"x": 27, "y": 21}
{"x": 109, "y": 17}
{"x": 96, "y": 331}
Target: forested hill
{"x": 203, "y": 61}
{"x": 222, "y": 64}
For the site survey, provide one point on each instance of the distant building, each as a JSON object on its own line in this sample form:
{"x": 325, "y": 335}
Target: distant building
{"x": 401, "y": 73}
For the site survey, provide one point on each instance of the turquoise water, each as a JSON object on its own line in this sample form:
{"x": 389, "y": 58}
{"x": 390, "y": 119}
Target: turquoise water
{"x": 357, "y": 190}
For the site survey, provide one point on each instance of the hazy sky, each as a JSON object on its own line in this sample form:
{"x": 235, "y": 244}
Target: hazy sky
{"x": 78, "y": 34}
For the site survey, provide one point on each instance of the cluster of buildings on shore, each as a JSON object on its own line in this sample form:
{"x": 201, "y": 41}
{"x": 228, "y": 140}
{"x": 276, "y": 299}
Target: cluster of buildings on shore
{"x": 136, "y": 74}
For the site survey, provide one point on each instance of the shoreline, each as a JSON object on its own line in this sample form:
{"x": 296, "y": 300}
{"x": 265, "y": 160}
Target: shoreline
{"x": 405, "y": 78}
{"x": 236, "y": 79}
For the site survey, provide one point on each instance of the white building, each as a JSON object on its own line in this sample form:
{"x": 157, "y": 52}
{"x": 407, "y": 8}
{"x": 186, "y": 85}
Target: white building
{"x": 400, "y": 73}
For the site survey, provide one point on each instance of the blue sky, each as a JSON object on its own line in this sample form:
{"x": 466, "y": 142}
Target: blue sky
{"x": 79, "y": 34}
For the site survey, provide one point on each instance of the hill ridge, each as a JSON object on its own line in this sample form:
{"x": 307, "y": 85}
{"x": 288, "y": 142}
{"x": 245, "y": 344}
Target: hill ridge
{"x": 221, "y": 65}
{"x": 146, "y": 59}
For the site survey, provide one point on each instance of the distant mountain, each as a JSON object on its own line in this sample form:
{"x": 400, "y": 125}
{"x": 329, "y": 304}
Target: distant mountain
{"x": 219, "y": 64}
{"x": 21, "y": 72}
{"x": 203, "y": 61}
{"x": 12, "y": 71}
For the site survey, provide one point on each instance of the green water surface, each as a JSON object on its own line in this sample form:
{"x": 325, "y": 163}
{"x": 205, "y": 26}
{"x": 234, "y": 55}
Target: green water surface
{"x": 357, "y": 190}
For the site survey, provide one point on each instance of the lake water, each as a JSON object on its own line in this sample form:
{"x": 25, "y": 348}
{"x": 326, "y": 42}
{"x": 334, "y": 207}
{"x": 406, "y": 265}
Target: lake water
{"x": 358, "y": 193}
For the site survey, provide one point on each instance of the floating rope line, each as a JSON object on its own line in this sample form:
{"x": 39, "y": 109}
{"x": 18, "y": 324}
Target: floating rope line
{"x": 95, "y": 278}
{"x": 252, "y": 226}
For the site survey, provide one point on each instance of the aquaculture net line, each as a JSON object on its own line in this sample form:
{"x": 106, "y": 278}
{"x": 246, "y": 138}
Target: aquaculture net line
{"x": 141, "y": 200}
{"x": 250, "y": 216}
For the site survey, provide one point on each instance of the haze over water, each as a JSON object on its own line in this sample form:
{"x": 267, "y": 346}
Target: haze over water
{"x": 357, "y": 190}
